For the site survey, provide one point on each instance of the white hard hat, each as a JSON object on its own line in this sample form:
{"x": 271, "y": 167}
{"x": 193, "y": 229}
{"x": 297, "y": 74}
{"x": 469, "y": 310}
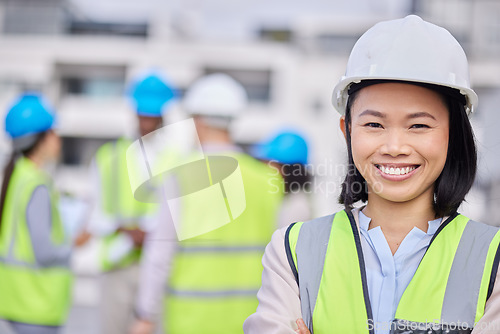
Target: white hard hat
{"x": 408, "y": 49}
{"x": 216, "y": 95}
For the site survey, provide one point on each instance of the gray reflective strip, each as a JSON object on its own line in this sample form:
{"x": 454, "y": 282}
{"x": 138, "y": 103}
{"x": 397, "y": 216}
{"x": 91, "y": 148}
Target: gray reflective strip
{"x": 222, "y": 249}
{"x": 464, "y": 282}
{"x": 311, "y": 249}
{"x": 16, "y": 263}
{"x": 212, "y": 294}
{"x": 399, "y": 326}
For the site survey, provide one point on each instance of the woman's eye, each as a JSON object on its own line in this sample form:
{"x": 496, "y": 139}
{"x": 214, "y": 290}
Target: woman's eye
{"x": 373, "y": 125}
{"x": 419, "y": 126}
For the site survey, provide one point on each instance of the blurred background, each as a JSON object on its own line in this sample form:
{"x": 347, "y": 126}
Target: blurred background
{"x": 287, "y": 54}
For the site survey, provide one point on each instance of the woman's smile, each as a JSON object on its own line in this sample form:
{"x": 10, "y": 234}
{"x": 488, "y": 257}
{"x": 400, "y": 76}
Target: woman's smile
{"x": 396, "y": 172}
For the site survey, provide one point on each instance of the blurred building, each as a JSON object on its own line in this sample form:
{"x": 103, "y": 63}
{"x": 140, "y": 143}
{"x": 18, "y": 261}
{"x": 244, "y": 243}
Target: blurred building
{"x": 288, "y": 66}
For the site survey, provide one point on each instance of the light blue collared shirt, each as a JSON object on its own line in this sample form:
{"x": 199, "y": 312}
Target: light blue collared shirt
{"x": 388, "y": 275}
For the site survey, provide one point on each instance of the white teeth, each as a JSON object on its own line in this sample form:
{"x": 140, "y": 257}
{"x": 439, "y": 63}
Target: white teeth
{"x": 396, "y": 171}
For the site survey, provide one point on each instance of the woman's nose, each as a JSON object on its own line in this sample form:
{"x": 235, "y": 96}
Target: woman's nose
{"x": 395, "y": 144}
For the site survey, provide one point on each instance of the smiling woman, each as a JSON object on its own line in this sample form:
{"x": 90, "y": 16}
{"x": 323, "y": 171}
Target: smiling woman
{"x": 400, "y": 263}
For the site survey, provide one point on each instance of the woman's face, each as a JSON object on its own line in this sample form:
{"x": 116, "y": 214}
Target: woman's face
{"x": 399, "y": 139}
{"x": 52, "y": 146}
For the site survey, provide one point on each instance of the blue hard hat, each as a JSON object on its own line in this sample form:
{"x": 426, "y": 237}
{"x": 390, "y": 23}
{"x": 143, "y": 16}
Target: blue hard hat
{"x": 29, "y": 115}
{"x": 287, "y": 147}
{"x": 150, "y": 94}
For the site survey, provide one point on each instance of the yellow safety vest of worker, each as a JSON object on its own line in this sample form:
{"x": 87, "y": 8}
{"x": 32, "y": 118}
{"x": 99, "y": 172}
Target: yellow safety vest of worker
{"x": 448, "y": 291}
{"x": 215, "y": 277}
{"x": 117, "y": 199}
{"x": 30, "y": 293}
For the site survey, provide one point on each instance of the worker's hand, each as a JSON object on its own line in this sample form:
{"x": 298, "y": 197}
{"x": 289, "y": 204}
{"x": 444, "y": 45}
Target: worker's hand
{"x": 136, "y": 234}
{"x": 302, "y": 327}
{"x": 142, "y": 327}
{"x": 82, "y": 238}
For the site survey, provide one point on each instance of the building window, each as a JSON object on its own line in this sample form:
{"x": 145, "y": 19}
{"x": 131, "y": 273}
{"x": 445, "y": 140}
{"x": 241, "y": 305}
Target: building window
{"x": 109, "y": 29}
{"x": 93, "y": 87}
{"x": 94, "y": 81}
{"x": 79, "y": 151}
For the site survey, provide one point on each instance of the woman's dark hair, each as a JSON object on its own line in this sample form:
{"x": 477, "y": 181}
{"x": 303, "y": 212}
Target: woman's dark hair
{"x": 459, "y": 170}
{"x": 9, "y": 169}
{"x": 296, "y": 177}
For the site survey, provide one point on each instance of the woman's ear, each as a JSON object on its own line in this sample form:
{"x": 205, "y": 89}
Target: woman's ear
{"x": 342, "y": 126}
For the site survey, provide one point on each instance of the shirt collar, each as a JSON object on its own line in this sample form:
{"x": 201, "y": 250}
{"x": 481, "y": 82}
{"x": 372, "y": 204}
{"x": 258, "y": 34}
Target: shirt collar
{"x": 364, "y": 223}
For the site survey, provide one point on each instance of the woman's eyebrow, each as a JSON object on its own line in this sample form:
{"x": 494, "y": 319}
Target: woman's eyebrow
{"x": 420, "y": 114}
{"x": 373, "y": 113}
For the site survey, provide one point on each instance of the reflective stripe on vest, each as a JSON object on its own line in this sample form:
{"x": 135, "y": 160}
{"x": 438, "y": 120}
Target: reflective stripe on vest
{"x": 462, "y": 259}
{"x": 215, "y": 276}
{"x": 30, "y": 293}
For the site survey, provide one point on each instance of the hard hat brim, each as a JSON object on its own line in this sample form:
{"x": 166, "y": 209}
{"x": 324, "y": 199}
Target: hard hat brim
{"x": 340, "y": 95}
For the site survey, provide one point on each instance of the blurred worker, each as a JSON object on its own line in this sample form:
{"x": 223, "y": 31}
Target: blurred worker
{"x": 118, "y": 218}
{"x": 35, "y": 278}
{"x": 287, "y": 153}
{"x": 211, "y": 278}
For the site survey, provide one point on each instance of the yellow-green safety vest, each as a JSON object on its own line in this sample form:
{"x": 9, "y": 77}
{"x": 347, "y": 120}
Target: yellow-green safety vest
{"x": 447, "y": 294}
{"x": 215, "y": 277}
{"x": 117, "y": 199}
{"x": 30, "y": 293}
